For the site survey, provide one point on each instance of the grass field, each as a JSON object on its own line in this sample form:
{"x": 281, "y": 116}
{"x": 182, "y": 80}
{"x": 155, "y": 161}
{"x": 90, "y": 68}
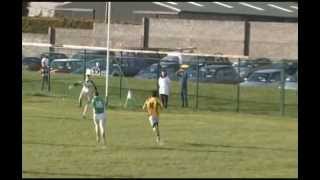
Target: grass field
{"x": 57, "y": 142}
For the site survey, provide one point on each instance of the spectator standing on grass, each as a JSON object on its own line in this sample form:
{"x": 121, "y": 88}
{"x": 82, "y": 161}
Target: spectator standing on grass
{"x": 45, "y": 70}
{"x": 182, "y": 73}
{"x": 44, "y": 62}
{"x": 164, "y": 88}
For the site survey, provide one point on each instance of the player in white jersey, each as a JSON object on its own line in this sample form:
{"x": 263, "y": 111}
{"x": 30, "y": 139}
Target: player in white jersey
{"x": 87, "y": 92}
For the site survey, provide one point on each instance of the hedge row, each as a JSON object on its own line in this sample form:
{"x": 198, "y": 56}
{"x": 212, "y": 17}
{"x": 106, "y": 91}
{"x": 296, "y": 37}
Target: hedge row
{"x": 41, "y": 24}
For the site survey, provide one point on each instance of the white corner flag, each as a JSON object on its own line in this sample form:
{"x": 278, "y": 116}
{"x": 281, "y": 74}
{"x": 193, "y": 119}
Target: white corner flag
{"x": 129, "y": 101}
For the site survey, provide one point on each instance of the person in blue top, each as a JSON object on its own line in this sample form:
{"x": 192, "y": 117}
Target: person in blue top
{"x": 182, "y": 73}
{"x": 99, "y": 116}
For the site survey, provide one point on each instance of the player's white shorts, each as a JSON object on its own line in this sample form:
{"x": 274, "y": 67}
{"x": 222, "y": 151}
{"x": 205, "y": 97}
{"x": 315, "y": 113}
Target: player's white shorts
{"x": 99, "y": 117}
{"x": 86, "y": 93}
{"x": 153, "y": 120}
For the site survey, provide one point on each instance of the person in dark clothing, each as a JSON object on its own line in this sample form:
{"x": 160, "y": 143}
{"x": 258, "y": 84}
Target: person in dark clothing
{"x": 182, "y": 73}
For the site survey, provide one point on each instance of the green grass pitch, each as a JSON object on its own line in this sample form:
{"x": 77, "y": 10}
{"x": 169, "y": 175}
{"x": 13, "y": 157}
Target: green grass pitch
{"x": 57, "y": 142}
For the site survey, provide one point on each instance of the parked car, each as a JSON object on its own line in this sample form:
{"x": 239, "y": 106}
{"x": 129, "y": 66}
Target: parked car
{"x": 31, "y": 63}
{"x": 130, "y": 63}
{"x": 89, "y": 55}
{"x": 52, "y": 56}
{"x": 151, "y": 72}
{"x": 66, "y": 65}
{"x": 114, "y": 68}
{"x": 263, "y": 77}
{"x": 220, "y": 74}
{"x": 290, "y": 67}
{"x": 244, "y": 67}
{"x": 291, "y": 82}
{"x": 180, "y": 58}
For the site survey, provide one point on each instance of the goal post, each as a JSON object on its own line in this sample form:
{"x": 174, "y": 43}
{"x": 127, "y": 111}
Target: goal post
{"x": 108, "y": 6}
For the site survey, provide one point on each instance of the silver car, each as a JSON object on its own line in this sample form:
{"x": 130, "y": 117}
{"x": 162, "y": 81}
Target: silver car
{"x": 270, "y": 77}
{"x": 264, "y": 77}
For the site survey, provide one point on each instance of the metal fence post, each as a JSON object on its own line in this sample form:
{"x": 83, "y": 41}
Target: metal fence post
{"x": 282, "y": 90}
{"x": 52, "y": 39}
{"x": 197, "y": 88}
{"x": 158, "y": 73}
{"x": 84, "y": 65}
{"x": 94, "y": 14}
{"x": 238, "y": 89}
{"x": 121, "y": 74}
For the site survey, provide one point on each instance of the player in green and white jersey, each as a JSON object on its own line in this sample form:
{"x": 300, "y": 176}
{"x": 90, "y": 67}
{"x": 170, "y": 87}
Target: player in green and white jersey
{"x": 99, "y": 116}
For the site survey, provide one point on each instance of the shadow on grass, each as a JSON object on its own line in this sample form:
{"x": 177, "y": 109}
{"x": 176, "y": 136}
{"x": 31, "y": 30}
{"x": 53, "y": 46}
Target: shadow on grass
{"x": 240, "y": 147}
{"x": 52, "y": 118}
{"x": 58, "y": 145}
{"x": 161, "y": 148}
{"x": 76, "y": 174}
{"x": 38, "y": 101}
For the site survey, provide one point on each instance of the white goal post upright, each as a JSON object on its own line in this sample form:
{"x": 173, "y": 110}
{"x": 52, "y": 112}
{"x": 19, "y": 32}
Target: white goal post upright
{"x": 108, "y": 9}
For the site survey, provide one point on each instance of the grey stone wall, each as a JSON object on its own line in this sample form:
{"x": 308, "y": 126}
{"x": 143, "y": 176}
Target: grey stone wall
{"x": 272, "y": 40}
{"x": 206, "y": 36}
{"x": 35, "y": 38}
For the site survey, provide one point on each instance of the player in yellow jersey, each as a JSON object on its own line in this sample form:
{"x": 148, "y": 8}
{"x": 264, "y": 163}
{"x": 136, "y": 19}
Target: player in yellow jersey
{"x": 153, "y": 106}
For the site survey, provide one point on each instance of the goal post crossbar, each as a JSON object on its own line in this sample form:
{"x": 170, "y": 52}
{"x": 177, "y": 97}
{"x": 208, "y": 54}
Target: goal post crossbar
{"x": 66, "y": 46}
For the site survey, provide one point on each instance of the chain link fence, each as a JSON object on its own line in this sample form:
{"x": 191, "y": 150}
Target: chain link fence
{"x": 258, "y": 86}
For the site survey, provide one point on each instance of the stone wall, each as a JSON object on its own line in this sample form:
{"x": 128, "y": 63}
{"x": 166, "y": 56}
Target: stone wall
{"x": 272, "y": 40}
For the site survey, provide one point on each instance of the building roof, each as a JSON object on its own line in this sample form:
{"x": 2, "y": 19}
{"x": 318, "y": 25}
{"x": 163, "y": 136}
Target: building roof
{"x": 270, "y": 10}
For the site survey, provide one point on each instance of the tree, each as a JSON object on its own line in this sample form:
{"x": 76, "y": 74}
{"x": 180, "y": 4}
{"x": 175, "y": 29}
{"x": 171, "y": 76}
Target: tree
{"x": 25, "y": 9}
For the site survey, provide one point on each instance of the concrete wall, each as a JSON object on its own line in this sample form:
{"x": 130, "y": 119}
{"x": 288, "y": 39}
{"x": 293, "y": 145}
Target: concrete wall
{"x": 206, "y": 36}
{"x": 272, "y": 40}
{"x": 36, "y": 38}
{"x": 121, "y": 35}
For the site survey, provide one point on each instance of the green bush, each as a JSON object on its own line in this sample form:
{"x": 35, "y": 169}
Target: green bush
{"x": 41, "y": 24}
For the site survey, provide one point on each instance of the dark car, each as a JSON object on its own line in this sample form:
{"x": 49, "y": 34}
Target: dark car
{"x": 290, "y": 68}
{"x": 130, "y": 63}
{"x": 53, "y": 56}
{"x": 66, "y": 65}
{"x": 152, "y": 71}
{"x": 220, "y": 74}
{"x": 98, "y": 65}
{"x": 171, "y": 68}
{"x": 31, "y": 63}
{"x": 90, "y": 54}
{"x": 248, "y": 66}
{"x": 243, "y": 67}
